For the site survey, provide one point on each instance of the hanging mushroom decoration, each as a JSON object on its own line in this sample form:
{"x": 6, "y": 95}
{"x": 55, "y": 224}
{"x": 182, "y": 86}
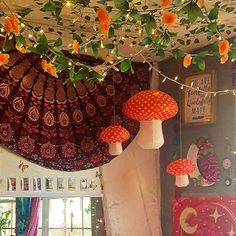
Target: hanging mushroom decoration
{"x": 151, "y": 108}
{"x": 181, "y": 168}
{"x": 114, "y": 135}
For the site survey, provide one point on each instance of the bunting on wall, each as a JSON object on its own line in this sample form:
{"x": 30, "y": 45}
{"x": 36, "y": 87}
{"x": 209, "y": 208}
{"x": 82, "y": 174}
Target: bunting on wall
{"x": 56, "y": 125}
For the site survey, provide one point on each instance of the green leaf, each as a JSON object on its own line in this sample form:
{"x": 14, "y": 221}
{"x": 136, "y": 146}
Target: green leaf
{"x": 212, "y": 27}
{"x": 62, "y": 63}
{"x": 42, "y": 44}
{"x": 125, "y": 65}
{"x": 109, "y": 46}
{"x": 81, "y": 74}
{"x": 95, "y": 49}
{"x": 194, "y": 12}
{"x": 58, "y": 42}
{"x": 118, "y": 16}
{"x": 201, "y": 64}
{"x": 121, "y": 4}
{"x": 49, "y": 6}
{"x": 111, "y": 32}
{"x": 77, "y": 37}
{"x": 177, "y": 53}
{"x": 213, "y": 15}
{"x": 20, "y": 40}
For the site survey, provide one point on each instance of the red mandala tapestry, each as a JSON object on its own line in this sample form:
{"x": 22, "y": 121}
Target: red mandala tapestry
{"x": 56, "y": 125}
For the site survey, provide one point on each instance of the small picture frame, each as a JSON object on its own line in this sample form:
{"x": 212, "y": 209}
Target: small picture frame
{"x": 60, "y": 184}
{"x": 71, "y": 184}
{"x": 199, "y": 108}
{"x": 83, "y": 183}
{"x": 49, "y": 184}
{"x": 11, "y": 184}
{"x": 37, "y": 184}
{"x": 24, "y": 184}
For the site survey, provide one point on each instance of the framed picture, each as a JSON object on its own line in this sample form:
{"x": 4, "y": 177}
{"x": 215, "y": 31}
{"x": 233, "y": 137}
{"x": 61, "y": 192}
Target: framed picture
{"x": 49, "y": 184}
{"x": 199, "y": 108}
{"x": 71, "y": 184}
{"x": 11, "y": 184}
{"x": 24, "y": 184}
{"x": 60, "y": 184}
{"x": 83, "y": 184}
{"x": 37, "y": 185}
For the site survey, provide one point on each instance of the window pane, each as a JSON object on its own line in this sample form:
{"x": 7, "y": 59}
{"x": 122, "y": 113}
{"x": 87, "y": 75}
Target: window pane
{"x": 74, "y": 213}
{"x": 56, "y": 232}
{"x": 75, "y": 232}
{"x": 87, "y": 212}
{"x": 87, "y": 232}
{"x": 56, "y": 213}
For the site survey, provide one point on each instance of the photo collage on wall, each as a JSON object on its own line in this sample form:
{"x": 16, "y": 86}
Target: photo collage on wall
{"x": 61, "y": 184}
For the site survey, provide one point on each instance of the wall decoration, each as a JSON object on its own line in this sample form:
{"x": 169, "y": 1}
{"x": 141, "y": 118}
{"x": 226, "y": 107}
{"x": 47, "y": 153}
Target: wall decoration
{"x": 49, "y": 184}
{"x": 23, "y": 166}
{"x": 11, "y": 184}
{"x": 60, "y": 184}
{"x": 208, "y": 216}
{"x": 207, "y": 170}
{"x": 37, "y": 184}
{"x": 71, "y": 184}
{"x": 199, "y": 108}
{"x": 83, "y": 184}
{"x": 63, "y": 132}
{"x": 24, "y": 184}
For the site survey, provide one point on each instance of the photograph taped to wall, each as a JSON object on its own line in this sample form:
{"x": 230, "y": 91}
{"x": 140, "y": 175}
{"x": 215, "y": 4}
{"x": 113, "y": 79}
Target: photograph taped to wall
{"x": 60, "y": 184}
{"x": 37, "y": 185}
{"x": 49, "y": 184}
{"x": 71, "y": 184}
{"x": 11, "y": 184}
{"x": 199, "y": 108}
{"x": 83, "y": 183}
{"x": 24, "y": 184}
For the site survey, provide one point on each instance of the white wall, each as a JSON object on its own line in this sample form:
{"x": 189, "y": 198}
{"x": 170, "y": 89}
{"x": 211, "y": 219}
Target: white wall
{"x": 9, "y": 167}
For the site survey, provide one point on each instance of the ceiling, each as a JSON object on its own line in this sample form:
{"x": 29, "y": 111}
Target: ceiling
{"x": 86, "y": 27}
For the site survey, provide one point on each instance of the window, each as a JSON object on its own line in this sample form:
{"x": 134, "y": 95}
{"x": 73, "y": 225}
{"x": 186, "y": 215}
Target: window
{"x": 70, "y": 216}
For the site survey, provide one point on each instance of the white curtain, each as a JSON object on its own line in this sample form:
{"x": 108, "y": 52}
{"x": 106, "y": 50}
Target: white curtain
{"x": 132, "y": 193}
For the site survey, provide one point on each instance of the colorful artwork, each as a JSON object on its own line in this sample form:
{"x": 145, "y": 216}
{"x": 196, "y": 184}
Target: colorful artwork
{"x": 204, "y": 216}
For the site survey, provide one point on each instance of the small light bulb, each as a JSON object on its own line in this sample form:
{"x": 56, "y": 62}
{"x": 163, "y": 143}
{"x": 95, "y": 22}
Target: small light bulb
{"x": 85, "y": 49}
{"x": 214, "y": 94}
{"x": 150, "y": 68}
{"x": 182, "y": 87}
{"x": 226, "y": 90}
{"x": 112, "y": 51}
{"x": 192, "y": 84}
{"x": 122, "y": 37}
{"x": 206, "y": 95}
{"x": 140, "y": 31}
{"x": 41, "y": 31}
{"x": 68, "y": 4}
{"x": 147, "y": 46}
{"x": 176, "y": 77}
{"x": 163, "y": 81}
{"x": 30, "y": 36}
{"x": 101, "y": 44}
{"x": 2, "y": 30}
{"x": 69, "y": 63}
{"x": 131, "y": 44}
{"x": 220, "y": 38}
{"x": 22, "y": 25}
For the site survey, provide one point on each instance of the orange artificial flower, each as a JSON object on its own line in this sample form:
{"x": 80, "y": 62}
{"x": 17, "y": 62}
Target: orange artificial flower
{"x": 99, "y": 68}
{"x": 224, "y": 59}
{"x": 4, "y": 58}
{"x": 223, "y": 47}
{"x": 165, "y": 3}
{"x": 12, "y": 24}
{"x": 109, "y": 59}
{"x": 200, "y": 3}
{"x": 169, "y": 18}
{"x": 49, "y": 68}
{"x": 104, "y": 19}
{"x": 75, "y": 47}
{"x": 24, "y": 48}
{"x": 187, "y": 60}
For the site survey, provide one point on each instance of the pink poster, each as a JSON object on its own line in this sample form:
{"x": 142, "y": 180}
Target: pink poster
{"x": 205, "y": 216}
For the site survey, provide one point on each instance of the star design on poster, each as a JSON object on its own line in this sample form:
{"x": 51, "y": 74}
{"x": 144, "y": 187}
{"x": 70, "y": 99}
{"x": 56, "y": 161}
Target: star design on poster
{"x": 231, "y": 233}
{"x": 216, "y": 215}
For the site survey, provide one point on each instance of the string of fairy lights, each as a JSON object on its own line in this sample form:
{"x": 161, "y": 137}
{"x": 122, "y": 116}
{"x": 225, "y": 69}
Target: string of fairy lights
{"x": 106, "y": 66}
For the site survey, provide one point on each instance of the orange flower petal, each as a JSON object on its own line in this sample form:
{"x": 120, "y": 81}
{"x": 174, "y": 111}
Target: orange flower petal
{"x": 200, "y": 3}
{"x": 102, "y": 15}
{"x": 49, "y": 68}
{"x": 4, "y": 58}
{"x": 12, "y": 25}
{"x": 224, "y": 59}
{"x": 109, "y": 59}
{"x": 104, "y": 28}
{"x": 44, "y": 64}
{"x": 224, "y": 47}
{"x": 187, "y": 60}
{"x": 169, "y": 18}
{"x": 21, "y": 48}
{"x": 165, "y": 3}
{"x": 75, "y": 47}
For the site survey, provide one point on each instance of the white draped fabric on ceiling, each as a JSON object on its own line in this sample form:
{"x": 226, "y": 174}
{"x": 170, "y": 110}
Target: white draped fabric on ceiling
{"x": 132, "y": 193}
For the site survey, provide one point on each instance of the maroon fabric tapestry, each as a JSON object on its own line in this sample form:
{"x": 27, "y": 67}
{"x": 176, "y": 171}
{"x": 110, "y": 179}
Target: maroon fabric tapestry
{"x": 56, "y": 125}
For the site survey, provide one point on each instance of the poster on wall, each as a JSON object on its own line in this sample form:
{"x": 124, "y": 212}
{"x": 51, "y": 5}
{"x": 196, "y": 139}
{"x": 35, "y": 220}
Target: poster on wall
{"x": 49, "y": 184}
{"x": 208, "y": 216}
{"x": 24, "y": 184}
{"x": 11, "y": 184}
{"x": 37, "y": 186}
{"x": 71, "y": 184}
{"x": 83, "y": 183}
{"x": 199, "y": 108}
{"x": 60, "y": 184}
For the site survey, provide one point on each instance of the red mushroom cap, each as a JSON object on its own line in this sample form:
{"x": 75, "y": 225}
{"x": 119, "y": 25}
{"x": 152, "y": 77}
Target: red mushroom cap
{"x": 150, "y": 105}
{"x": 181, "y": 167}
{"x": 114, "y": 134}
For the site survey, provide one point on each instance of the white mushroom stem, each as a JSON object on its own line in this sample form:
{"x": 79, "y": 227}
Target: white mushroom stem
{"x": 181, "y": 180}
{"x": 150, "y": 135}
{"x": 115, "y": 149}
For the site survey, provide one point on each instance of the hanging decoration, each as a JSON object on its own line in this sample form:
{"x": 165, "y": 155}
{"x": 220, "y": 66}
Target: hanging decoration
{"x": 181, "y": 168}
{"x": 152, "y": 27}
{"x": 115, "y": 135}
{"x": 55, "y": 125}
{"x": 151, "y": 108}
